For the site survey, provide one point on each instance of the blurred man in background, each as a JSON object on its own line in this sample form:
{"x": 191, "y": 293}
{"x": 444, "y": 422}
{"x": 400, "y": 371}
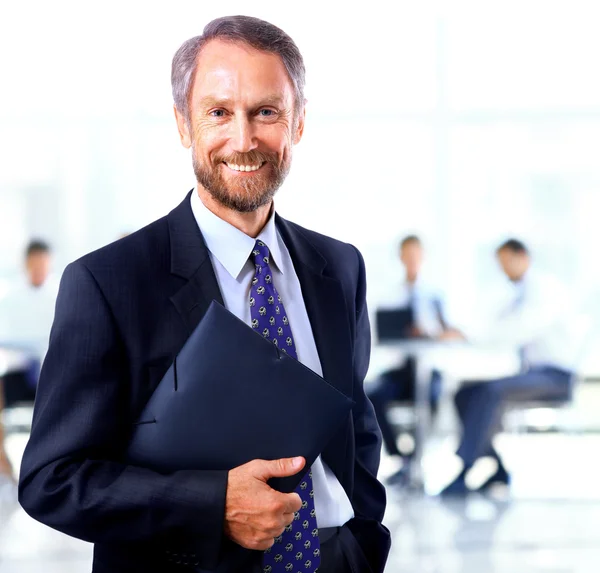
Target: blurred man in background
{"x": 537, "y": 320}
{"x": 427, "y": 320}
{"x": 26, "y": 315}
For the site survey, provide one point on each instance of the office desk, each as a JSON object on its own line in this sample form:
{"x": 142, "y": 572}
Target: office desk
{"x": 458, "y": 359}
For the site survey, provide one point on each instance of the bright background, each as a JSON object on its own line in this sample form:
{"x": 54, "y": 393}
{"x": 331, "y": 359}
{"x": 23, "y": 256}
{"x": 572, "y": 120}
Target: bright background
{"x": 463, "y": 122}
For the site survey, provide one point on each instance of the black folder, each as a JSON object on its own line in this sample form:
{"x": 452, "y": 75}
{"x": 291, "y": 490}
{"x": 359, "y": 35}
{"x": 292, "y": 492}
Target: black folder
{"x": 232, "y": 396}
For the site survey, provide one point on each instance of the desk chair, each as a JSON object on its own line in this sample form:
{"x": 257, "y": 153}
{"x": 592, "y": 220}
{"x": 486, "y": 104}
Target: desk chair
{"x": 554, "y": 414}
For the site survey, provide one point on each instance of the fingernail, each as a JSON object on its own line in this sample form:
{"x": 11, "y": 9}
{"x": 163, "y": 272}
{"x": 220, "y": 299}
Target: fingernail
{"x": 296, "y": 463}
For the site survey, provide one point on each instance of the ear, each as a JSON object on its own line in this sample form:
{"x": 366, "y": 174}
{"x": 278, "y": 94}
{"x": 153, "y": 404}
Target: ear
{"x": 183, "y": 128}
{"x": 300, "y": 125}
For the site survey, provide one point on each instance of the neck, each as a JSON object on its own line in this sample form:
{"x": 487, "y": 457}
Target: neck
{"x": 249, "y": 223}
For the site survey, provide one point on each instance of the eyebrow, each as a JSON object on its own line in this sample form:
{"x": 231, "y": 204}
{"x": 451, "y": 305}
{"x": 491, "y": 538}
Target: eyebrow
{"x": 210, "y": 101}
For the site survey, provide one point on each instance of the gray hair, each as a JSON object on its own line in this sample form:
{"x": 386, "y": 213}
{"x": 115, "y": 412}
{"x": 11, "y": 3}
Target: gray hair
{"x": 257, "y": 33}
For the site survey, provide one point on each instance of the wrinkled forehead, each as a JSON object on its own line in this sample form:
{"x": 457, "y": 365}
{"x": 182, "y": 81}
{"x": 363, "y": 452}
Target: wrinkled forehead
{"x": 238, "y": 73}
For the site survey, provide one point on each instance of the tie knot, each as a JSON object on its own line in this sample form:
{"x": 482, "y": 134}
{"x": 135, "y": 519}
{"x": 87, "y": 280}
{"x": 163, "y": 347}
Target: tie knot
{"x": 261, "y": 254}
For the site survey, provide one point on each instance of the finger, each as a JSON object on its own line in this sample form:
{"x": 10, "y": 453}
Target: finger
{"x": 275, "y": 531}
{"x": 292, "y": 503}
{"x": 284, "y": 521}
{"x": 262, "y": 544}
{"x": 280, "y": 468}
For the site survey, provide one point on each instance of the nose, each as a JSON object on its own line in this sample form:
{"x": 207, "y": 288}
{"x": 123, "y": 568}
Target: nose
{"x": 242, "y": 136}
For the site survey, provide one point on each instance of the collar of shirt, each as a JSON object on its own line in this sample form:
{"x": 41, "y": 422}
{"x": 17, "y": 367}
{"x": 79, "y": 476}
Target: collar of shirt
{"x": 230, "y": 246}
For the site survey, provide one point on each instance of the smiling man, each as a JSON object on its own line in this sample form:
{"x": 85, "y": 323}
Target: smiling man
{"x": 125, "y": 311}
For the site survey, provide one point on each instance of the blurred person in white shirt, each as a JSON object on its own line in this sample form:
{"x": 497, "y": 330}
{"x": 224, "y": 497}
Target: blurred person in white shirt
{"x": 425, "y": 303}
{"x": 538, "y": 320}
{"x": 26, "y": 315}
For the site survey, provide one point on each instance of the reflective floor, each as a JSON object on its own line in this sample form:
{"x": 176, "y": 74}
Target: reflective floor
{"x": 550, "y": 522}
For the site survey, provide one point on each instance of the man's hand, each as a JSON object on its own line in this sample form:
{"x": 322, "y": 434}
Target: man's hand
{"x": 415, "y": 332}
{"x": 452, "y": 334}
{"x": 255, "y": 513}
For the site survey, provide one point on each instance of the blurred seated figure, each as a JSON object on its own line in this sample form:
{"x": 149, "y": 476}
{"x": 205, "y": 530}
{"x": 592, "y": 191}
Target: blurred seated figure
{"x": 537, "y": 322}
{"x": 5, "y": 465}
{"x": 26, "y": 315}
{"x": 418, "y": 307}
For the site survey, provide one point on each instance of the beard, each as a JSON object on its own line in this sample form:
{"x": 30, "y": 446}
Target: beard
{"x": 250, "y": 192}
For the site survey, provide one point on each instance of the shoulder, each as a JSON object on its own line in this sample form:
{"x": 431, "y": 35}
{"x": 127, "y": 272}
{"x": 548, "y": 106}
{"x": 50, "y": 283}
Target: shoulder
{"x": 543, "y": 283}
{"x": 335, "y": 259}
{"x": 141, "y": 248}
{"x": 336, "y": 253}
{"x": 128, "y": 264}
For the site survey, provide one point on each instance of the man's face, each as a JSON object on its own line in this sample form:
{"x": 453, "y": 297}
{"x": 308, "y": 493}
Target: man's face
{"x": 242, "y": 124}
{"x": 411, "y": 255}
{"x": 37, "y": 267}
{"x": 514, "y": 265}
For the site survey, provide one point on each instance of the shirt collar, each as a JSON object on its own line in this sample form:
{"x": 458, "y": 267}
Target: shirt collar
{"x": 230, "y": 246}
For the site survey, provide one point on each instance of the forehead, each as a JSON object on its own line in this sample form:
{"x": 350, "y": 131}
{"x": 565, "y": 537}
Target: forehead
{"x": 38, "y": 255}
{"x": 411, "y": 247}
{"x": 239, "y": 72}
{"x": 506, "y": 256}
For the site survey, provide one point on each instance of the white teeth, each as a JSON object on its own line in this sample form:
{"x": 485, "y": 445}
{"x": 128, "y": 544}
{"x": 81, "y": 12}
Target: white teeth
{"x": 243, "y": 167}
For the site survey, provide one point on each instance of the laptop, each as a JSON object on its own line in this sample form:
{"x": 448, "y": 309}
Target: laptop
{"x": 394, "y": 324}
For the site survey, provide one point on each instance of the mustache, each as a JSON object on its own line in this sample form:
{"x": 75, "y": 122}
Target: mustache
{"x": 253, "y": 157}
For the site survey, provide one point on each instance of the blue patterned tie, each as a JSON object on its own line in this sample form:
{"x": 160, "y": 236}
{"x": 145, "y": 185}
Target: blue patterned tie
{"x": 297, "y": 549}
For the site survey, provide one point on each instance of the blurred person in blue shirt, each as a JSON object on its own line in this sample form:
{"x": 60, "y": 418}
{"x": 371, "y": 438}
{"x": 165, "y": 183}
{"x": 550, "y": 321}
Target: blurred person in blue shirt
{"x": 538, "y": 320}
{"x": 425, "y": 302}
{"x": 26, "y": 315}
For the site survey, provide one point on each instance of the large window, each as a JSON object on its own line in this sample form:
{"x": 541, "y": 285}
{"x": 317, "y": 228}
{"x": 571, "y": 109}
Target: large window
{"x": 462, "y": 127}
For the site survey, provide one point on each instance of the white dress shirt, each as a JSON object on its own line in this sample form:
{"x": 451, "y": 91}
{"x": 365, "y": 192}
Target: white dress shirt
{"x": 423, "y": 298}
{"x": 540, "y": 319}
{"x": 229, "y": 250}
{"x": 26, "y": 315}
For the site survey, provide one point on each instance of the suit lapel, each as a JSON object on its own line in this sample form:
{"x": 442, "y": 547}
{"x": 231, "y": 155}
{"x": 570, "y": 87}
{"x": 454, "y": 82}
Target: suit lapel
{"x": 190, "y": 261}
{"x": 323, "y": 297}
{"x": 328, "y": 315}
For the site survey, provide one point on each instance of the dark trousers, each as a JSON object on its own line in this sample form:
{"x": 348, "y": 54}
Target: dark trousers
{"x": 480, "y": 405}
{"x": 340, "y": 553}
{"x": 399, "y": 385}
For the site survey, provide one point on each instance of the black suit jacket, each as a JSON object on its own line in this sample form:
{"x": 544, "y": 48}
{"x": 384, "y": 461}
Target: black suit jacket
{"x": 123, "y": 312}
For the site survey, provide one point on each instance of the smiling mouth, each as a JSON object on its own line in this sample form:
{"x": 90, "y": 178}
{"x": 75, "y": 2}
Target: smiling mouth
{"x": 244, "y": 168}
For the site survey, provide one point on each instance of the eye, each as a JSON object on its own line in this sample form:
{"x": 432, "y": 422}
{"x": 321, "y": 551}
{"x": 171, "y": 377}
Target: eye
{"x": 217, "y": 112}
{"x": 266, "y": 112}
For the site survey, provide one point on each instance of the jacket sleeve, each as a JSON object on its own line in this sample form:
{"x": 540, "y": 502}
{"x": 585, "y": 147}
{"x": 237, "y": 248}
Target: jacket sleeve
{"x": 71, "y": 478}
{"x": 368, "y": 495}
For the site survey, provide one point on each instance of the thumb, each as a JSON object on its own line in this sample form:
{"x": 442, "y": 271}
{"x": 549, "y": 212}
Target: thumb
{"x": 283, "y": 467}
